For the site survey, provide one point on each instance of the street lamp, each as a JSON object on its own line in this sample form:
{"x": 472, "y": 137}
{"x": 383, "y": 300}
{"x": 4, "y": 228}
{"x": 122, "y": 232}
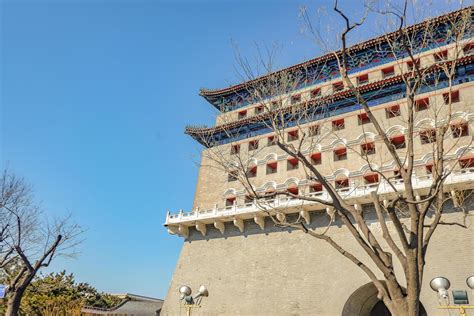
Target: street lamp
{"x": 190, "y": 302}
{"x": 442, "y": 284}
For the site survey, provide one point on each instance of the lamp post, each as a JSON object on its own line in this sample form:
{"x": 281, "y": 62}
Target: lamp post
{"x": 460, "y": 298}
{"x": 189, "y": 302}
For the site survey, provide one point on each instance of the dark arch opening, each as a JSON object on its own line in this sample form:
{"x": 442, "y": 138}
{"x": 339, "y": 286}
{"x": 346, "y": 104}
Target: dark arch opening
{"x": 364, "y": 302}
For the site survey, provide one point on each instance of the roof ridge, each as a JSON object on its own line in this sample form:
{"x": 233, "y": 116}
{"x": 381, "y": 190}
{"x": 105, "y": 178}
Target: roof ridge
{"x": 211, "y": 92}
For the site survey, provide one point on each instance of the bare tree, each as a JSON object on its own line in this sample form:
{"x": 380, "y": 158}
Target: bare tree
{"x": 407, "y": 217}
{"x": 28, "y": 242}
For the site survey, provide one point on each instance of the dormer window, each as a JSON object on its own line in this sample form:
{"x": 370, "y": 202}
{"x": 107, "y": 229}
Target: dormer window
{"x": 388, "y": 72}
{"x": 253, "y": 145}
{"x": 453, "y": 97}
{"x": 362, "y": 79}
{"x": 293, "y": 135}
{"x": 292, "y": 164}
{"x": 242, "y": 114}
{"x": 296, "y": 99}
{"x": 259, "y": 110}
{"x": 392, "y": 111}
{"x": 367, "y": 149}
{"x": 441, "y": 56}
{"x": 363, "y": 118}
{"x": 316, "y": 159}
{"x": 337, "y": 125}
{"x": 422, "y": 104}
{"x": 398, "y": 141}
{"x": 338, "y": 86}
{"x": 315, "y": 93}
{"x": 340, "y": 154}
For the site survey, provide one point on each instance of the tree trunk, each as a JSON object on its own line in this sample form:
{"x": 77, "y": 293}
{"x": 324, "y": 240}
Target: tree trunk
{"x": 13, "y": 303}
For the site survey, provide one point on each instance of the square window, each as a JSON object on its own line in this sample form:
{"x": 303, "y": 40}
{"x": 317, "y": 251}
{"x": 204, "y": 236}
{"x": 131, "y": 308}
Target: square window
{"x": 362, "y": 79}
{"x": 315, "y": 93}
{"x": 388, "y": 72}
{"x": 363, "y": 119}
{"x": 316, "y": 159}
{"x": 468, "y": 49}
{"x": 232, "y": 176}
{"x": 242, "y": 114}
{"x": 295, "y": 99}
{"x": 315, "y": 187}
{"x": 340, "y": 154}
{"x": 422, "y": 104}
{"x": 441, "y": 56}
{"x": 428, "y": 136}
{"x": 465, "y": 163}
{"x": 235, "y": 149}
{"x": 454, "y": 97}
{"x": 293, "y": 190}
{"x": 293, "y": 135}
{"x": 371, "y": 178}
{"x": 314, "y": 130}
{"x": 343, "y": 183}
{"x": 292, "y": 164}
{"x": 392, "y": 111}
{"x": 429, "y": 169}
{"x": 397, "y": 174}
{"x": 253, "y": 145}
{"x": 259, "y": 110}
{"x": 460, "y": 130}
{"x": 367, "y": 149}
{"x": 271, "y": 141}
{"x": 398, "y": 142}
{"x": 411, "y": 65}
{"x": 338, "y": 86}
{"x": 272, "y": 167}
{"x": 230, "y": 201}
{"x": 252, "y": 172}
{"x": 248, "y": 200}
{"x": 337, "y": 125}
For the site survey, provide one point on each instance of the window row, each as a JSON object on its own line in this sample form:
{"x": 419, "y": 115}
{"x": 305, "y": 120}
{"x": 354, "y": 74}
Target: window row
{"x": 427, "y": 136}
{"x": 342, "y": 182}
{"x": 367, "y": 149}
{"x": 362, "y": 79}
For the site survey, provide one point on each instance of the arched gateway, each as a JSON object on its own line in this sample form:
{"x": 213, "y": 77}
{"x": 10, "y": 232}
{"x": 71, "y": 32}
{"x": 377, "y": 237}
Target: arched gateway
{"x": 364, "y": 302}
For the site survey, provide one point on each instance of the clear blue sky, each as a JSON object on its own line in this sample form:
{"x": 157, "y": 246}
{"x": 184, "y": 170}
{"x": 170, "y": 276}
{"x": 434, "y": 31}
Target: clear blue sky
{"x": 94, "y": 99}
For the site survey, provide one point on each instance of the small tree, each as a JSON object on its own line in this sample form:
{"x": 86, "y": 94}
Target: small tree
{"x": 28, "y": 242}
{"x": 414, "y": 218}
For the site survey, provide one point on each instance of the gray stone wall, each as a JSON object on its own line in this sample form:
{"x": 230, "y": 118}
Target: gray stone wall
{"x": 283, "y": 272}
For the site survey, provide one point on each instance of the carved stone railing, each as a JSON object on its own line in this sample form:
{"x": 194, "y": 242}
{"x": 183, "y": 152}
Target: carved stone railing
{"x": 178, "y": 223}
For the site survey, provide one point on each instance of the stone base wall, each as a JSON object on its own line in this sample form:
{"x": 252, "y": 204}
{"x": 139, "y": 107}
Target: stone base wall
{"x": 283, "y": 272}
